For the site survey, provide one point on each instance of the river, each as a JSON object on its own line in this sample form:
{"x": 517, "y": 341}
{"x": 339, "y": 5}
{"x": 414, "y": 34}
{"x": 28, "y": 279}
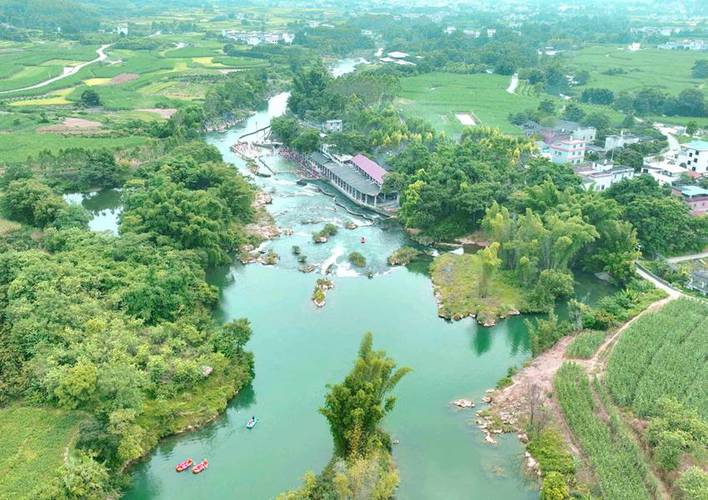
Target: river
{"x": 299, "y": 349}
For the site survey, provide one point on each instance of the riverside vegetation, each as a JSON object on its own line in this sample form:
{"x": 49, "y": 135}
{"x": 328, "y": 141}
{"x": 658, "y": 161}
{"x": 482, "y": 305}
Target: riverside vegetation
{"x": 113, "y": 337}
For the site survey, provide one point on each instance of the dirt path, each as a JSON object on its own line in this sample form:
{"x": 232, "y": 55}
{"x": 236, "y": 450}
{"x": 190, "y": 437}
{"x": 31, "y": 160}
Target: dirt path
{"x": 537, "y": 377}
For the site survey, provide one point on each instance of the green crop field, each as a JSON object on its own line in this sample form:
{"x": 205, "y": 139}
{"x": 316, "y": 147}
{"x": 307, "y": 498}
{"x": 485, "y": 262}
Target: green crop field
{"x": 18, "y": 146}
{"x": 33, "y": 442}
{"x": 662, "y": 354}
{"x": 669, "y": 70}
{"x": 616, "y": 459}
{"x": 437, "y": 97}
{"x": 585, "y": 344}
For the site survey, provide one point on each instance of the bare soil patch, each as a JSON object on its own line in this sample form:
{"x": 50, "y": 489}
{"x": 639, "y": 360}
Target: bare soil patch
{"x": 165, "y": 113}
{"x": 72, "y": 126}
{"x": 123, "y": 78}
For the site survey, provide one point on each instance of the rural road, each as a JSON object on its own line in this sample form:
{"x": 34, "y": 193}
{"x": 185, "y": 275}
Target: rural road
{"x": 68, "y": 71}
{"x": 684, "y": 258}
{"x": 513, "y": 83}
{"x": 671, "y": 291}
{"x": 674, "y": 145}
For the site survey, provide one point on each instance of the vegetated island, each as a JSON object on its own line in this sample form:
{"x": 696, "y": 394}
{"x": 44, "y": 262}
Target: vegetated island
{"x": 462, "y": 289}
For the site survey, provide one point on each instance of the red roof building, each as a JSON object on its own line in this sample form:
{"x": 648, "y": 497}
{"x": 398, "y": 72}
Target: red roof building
{"x": 369, "y": 168}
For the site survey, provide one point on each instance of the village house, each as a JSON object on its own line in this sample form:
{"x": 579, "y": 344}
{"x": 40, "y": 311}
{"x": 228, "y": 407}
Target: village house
{"x": 694, "y": 156}
{"x": 619, "y": 141}
{"x": 599, "y": 177}
{"x": 564, "y": 143}
{"x": 664, "y": 170}
{"x": 694, "y": 196}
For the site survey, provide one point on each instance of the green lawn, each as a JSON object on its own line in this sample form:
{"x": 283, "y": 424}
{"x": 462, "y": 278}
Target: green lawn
{"x": 33, "y": 442}
{"x": 669, "y": 70}
{"x": 18, "y": 146}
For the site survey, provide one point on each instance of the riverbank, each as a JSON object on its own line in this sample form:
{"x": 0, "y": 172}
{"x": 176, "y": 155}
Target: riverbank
{"x": 529, "y": 406}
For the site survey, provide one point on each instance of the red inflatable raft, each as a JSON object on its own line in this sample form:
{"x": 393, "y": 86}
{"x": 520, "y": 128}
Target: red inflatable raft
{"x": 200, "y": 467}
{"x": 184, "y": 465}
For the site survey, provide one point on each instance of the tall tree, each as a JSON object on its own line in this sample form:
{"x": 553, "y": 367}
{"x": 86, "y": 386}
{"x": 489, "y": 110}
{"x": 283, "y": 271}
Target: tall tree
{"x": 355, "y": 407}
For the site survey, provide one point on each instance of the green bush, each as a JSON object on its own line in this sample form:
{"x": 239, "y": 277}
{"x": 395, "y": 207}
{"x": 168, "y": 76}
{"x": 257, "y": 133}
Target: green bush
{"x": 693, "y": 484}
{"x": 357, "y": 259}
{"x": 554, "y": 487}
{"x": 550, "y": 450}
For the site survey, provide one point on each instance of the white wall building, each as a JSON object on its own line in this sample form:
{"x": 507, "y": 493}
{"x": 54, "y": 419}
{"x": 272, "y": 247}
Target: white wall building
{"x": 664, "y": 170}
{"x": 599, "y": 176}
{"x": 619, "y": 141}
{"x": 569, "y": 150}
{"x": 695, "y": 156}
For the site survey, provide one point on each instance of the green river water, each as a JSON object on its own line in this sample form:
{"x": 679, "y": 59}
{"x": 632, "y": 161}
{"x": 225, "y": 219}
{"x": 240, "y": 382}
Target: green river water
{"x": 299, "y": 349}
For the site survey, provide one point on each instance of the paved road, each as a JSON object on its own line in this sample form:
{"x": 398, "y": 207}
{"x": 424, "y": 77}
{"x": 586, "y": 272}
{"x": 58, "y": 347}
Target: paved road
{"x": 683, "y": 258}
{"x": 673, "y": 293}
{"x": 513, "y": 83}
{"x": 68, "y": 71}
{"x": 674, "y": 145}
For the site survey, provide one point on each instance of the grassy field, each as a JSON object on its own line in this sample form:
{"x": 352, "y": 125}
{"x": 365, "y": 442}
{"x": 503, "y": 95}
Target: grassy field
{"x": 33, "y": 442}
{"x": 438, "y": 97}
{"x": 18, "y": 146}
{"x": 669, "y": 70}
{"x": 662, "y": 354}
{"x": 456, "y": 279}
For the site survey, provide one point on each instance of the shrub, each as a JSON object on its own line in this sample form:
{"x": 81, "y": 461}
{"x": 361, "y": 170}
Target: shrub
{"x": 357, "y": 259}
{"x": 693, "y": 484}
{"x": 550, "y": 450}
{"x": 554, "y": 487}
{"x": 403, "y": 256}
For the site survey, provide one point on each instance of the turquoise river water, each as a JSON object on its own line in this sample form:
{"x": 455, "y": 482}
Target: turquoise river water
{"x": 299, "y": 349}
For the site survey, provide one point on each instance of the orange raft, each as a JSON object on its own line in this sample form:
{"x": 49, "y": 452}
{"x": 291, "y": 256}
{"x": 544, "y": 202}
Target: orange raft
{"x": 184, "y": 465}
{"x": 200, "y": 467}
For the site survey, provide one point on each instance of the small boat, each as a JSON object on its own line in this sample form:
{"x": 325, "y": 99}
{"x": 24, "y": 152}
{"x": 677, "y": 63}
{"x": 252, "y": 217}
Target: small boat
{"x": 363, "y": 240}
{"x": 200, "y": 467}
{"x": 251, "y": 423}
{"x": 184, "y": 465}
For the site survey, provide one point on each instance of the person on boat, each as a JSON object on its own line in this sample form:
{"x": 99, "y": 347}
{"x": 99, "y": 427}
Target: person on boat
{"x": 363, "y": 240}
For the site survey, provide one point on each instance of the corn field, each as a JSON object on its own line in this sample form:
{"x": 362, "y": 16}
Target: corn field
{"x": 615, "y": 458}
{"x": 663, "y": 354}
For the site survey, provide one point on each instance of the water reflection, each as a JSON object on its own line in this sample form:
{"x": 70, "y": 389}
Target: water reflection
{"x": 104, "y": 206}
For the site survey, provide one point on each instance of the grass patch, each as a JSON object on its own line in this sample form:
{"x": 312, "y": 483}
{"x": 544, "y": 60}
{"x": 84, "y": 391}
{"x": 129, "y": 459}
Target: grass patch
{"x": 456, "y": 279}
{"x": 19, "y": 146}
{"x": 585, "y": 344}
{"x": 33, "y": 442}
{"x": 437, "y": 97}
